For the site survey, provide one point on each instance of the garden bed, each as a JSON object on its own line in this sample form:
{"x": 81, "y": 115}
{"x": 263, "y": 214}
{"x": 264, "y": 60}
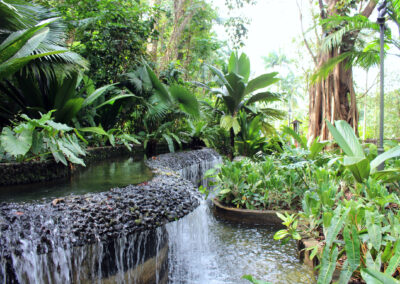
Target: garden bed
{"x": 246, "y": 216}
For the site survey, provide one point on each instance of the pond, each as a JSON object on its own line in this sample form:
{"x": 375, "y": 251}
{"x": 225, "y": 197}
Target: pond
{"x": 98, "y": 177}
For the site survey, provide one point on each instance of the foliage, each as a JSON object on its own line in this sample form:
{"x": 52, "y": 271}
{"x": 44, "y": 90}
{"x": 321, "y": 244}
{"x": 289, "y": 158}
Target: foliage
{"x": 267, "y": 184}
{"x": 33, "y": 139}
{"x": 355, "y": 159}
{"x": 32, "y": 93}
{"x": 238, "y": 92}
{"x": 111, "y": 35}
{"x": 253, "y": 280}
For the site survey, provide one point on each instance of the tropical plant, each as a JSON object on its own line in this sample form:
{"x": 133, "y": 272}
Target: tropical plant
{"x": 355, "y": 159}
{"x": 250, "y": 140}
{"x": 238, "y": 92}
{"x": 37, "y": 139}
{"x": 32, "y": 93}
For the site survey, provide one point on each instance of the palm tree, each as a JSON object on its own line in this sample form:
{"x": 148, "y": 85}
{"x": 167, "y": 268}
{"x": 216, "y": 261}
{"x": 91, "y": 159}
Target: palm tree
{"x": 238, "y": 93}
{"x": 31, "y": 45}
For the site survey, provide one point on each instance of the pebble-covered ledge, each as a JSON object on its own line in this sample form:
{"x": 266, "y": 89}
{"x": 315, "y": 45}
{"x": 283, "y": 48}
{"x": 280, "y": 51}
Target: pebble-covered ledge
{"x": 80, "y": 220}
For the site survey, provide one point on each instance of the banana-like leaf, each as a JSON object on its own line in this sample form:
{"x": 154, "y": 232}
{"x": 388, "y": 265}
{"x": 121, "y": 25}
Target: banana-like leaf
{"x": 388, "y": 175}
{"x": 187, "y": 101}
{"x": 345, "y": 137}
{"x": 240, "y": 66}
{"x": 359, "y": 167}
{"x": 96, "y": 94}
{"x": 261, "y": 81}
{"x": 394, "y": 152}
{"x": 220, "y": 75}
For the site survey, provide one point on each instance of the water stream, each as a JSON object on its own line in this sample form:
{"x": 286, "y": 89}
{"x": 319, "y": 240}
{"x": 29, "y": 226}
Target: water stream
{"x": 197, "y": 249}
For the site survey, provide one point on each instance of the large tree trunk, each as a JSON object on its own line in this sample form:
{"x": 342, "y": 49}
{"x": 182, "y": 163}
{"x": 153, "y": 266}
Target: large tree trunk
{"x": 334, "y": 98}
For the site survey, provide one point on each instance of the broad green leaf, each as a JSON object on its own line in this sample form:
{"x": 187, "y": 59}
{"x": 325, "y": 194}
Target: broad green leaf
{"x": 352, "y": 247}
{"x": 316, "y": 148}
{"x": 394, "y": 152}
{"x": 58, "y": 126}
{"x": 264, "y": 97}
{"x": 130, "y": 138}
{"x": 374, "y": 229}
{"x": 280, "y": 234}
{"x": 70, "y": 155}
{"x": 260, "y": 82}
{"x": 336, "y": 225}
{"x": 220, "y": 75}
{"x": 17, "y": 143}
{"x": 96, "y": 94}
{"x": 346, "y": 139}
{"x": 37, "y": 142}
{"x": 359, "y": 166}
{"x": 378, "y": 277}
{"x": 328, "y": 265}
{"x": 240, "y": 66}
{"x": 98, "y": 130}
{"x": 394, "y": 262}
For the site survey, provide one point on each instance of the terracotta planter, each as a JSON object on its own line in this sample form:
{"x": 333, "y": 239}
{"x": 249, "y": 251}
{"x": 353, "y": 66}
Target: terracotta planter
{"x": 246, "y": 216}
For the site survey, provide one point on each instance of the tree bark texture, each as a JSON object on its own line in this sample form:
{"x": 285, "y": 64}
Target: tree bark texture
{"x": 334, "y": 97}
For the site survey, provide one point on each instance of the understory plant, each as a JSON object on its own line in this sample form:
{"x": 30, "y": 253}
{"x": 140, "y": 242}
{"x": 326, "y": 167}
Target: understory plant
{"x": 265, "y": 184}
{"x": 353, "y": 213}
{"x": 38, "y": 139}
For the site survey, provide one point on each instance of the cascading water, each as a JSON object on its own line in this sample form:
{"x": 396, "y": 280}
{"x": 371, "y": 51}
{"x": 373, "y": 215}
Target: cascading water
{"x": 196, "y": 249}
{"x": 205, "y": 250}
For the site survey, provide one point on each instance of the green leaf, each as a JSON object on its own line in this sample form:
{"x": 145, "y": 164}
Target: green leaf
{"x": 254, "y": 281}
{"x": 112, "y": 100}
{"x": 346, "y": 139}
{"x": 281, "y": 234}
{"x": 169, "y": 142}
{"x": 69, "y": 110}
{"x": 17, "y": 143}
{"x": 394, "y": 152}
{"x": 374, "y": 229}
{"x": 359, "y": 166}
{"x": 161, "y": 90}
{"x": 394, "y": 262}
{"x": 224, "y": 191}
{"x": 264, "y": 97}
{"x": 96, "y": 94}
{"x": 187, "y": 101}
{"x": 336, "y": 225}
{"x": 296, "y": 136}
{"x": 328, "y": 265}
{"x": 316, "y": 148}
{"x": 352, "y": 247}
{"x": 260, "y": 82}
{"x": 97, "y": 130}
{"x": 378, "y": 276}
{"x": 240, "y": 66}
{"x": 228, "y": 122}
{"x": 58, "y": 126}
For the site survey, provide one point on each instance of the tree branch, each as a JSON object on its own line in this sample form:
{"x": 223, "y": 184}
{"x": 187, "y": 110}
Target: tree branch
{"x": 304, "y": 36}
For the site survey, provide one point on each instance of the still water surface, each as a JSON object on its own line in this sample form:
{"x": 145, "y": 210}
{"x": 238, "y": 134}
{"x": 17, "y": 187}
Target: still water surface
{"x": 98, "y": 177}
